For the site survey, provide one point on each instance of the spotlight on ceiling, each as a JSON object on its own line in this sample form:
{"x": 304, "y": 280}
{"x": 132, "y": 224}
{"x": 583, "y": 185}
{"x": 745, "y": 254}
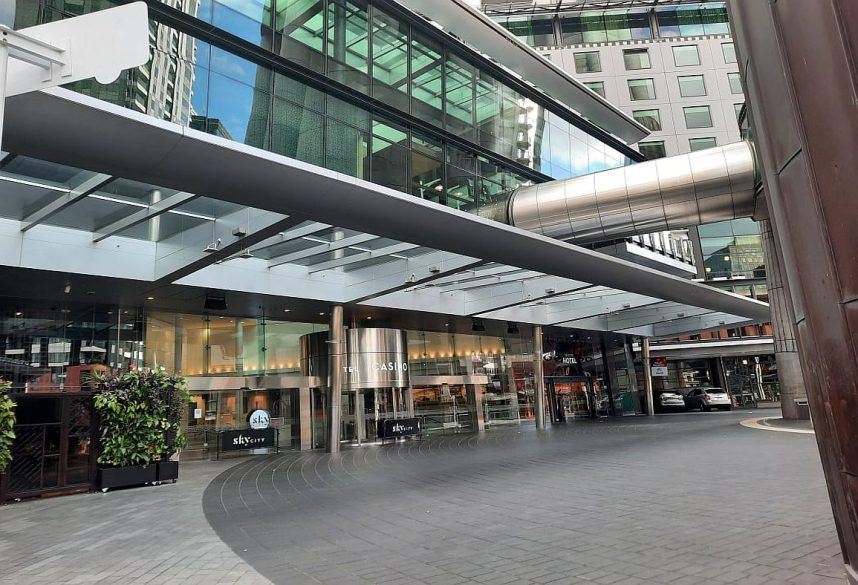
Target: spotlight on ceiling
{"x": 477, "y": 324}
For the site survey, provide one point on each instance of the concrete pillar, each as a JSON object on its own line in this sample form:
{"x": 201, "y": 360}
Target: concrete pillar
{"x": 647, "y": 375}
{"x": 336, "y": 363}
{"x": 305, "y": 419}
{"x": 475, "y": 406}
{"x": 538, "y": 379}
{"x": 790, "y": 375}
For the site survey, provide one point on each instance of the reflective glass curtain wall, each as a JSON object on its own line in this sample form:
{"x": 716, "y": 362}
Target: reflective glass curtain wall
{"x": 367, "y": 49}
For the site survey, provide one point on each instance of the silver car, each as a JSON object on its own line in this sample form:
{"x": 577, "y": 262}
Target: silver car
{"x": 669, "y": 400}
{"x": 706, "y": 398}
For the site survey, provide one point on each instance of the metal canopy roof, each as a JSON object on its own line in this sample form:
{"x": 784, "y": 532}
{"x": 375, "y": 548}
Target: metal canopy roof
{"x": 163, "y": 204}
{"x": 491, "y": 39}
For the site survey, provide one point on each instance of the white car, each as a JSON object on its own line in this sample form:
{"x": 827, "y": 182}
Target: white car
{"x": 706, "y": 398}
{"x": 669, "y": 400}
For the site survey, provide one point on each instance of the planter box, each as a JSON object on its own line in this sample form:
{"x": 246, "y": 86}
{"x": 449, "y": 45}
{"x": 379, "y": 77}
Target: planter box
{"x": 113, "y": 477}
{"x": 168, "y": 471}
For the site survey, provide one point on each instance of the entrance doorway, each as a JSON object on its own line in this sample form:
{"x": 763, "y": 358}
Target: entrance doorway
{"x": 52, "y": 451}
{"x": 364, "y": 409}
{"x": 576, "y": 397}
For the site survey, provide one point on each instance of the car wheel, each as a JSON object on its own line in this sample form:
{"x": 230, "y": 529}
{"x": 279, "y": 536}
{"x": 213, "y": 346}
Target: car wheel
{"x": 728, "y": 408}
{"x": 703, "y": 407}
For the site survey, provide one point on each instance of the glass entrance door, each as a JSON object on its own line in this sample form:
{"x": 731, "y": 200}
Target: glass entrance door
{"x": 363, "y": 409}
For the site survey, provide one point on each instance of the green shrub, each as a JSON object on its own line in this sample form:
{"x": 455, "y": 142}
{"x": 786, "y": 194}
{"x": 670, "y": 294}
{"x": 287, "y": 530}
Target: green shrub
{"x": 139, "y": 416}
{"x": 7, "y": 425}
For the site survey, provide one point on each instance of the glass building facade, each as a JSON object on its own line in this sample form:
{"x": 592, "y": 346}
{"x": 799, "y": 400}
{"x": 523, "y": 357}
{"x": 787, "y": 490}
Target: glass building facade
{"x": 732, "y": 249}
{"x": 350, "y": 86}
{"x": 605, "y": 26}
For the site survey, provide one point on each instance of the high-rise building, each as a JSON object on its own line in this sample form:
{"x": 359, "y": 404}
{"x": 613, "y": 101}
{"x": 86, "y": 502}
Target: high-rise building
{"x": 670, "y": 65}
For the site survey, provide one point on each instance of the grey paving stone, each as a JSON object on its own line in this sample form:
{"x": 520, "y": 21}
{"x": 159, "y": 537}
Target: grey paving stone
{"x": 683, "y": 499}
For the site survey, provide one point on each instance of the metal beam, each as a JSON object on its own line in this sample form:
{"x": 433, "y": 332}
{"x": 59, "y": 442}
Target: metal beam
{"x": 87, "y": 187}
{"x": 606, "y": 304}
{"x": 362, "y": 257}
{"x": 139, "y": 217}
{"x": 321, "y": 249}
{"x": 415, "y": 273}
{"x": 511, "y": 294}
{"x": 172, "y": 268}
{"x": 638, "y": 317}
{"x": 299, "y": 232}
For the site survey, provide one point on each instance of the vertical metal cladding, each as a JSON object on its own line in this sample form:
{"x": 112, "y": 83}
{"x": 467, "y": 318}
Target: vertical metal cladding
{"x": 375, "y": 358}
{"x": 709, "y": 185}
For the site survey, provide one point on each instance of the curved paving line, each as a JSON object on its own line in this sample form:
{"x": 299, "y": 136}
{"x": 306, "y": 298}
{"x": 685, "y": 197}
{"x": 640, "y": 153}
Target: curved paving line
{"x": 759, "y": 424}
{"x": 289, "y": 515}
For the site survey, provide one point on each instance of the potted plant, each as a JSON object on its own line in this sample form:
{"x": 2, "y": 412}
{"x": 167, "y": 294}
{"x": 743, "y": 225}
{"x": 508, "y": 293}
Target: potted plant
{"x": 7, "y": 428}
{"x": 139, "y": 415}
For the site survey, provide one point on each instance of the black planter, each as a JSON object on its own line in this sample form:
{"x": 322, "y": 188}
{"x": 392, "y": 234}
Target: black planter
{"x": 168, "y": 471}
{"x": 114, "y": 477}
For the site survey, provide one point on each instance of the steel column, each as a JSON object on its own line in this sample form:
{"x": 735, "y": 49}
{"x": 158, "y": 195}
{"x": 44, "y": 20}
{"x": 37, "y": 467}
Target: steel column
{"x": 538, "y": 378}
{"x": 336, "y": 363}
{"x": 647, "y": 370}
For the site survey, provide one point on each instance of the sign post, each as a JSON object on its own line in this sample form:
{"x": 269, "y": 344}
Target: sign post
{"x": 99, "y": 45}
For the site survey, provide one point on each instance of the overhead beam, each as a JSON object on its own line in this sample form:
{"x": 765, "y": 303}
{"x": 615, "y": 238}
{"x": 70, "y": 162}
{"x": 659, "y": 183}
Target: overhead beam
{"x": 139, "y": 217}
{"x": 87, "y": 187}
{"x": 511, "y": 294}
{"x": 362, "y": 257}
{"x": 299, "y": 232}
{"x": 414, "y": 272}
{"x": 188, "y": 261}
{"x": 637, "y": 317}
{"x": 321, "y": 249}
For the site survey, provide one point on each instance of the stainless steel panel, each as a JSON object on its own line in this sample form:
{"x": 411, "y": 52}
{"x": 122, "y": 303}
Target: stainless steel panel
{"x": 674, "y": 179}
{"x": 641, "y": 198}
{"x": 682, "y": 214}
{"x": 611, "y": 194}
{"x": 551, "y": 201}
{"x": 715, "y": 208}
{"x": 648, "y": 220}
{"x": 642, "y": 185}
{"x": 709, "y": 170}
{"x": 377, "y": 358}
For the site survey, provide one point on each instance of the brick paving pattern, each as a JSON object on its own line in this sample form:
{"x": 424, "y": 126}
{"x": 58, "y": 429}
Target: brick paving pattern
{"x": 154, "y": 534}
{"x": 680, "y": 499}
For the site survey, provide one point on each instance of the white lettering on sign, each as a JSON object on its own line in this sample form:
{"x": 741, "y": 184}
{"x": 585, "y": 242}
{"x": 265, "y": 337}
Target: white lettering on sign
{"x": 259, "y": 419}
{"x": 390, "y": 366}
{"x": 243, "y": 440}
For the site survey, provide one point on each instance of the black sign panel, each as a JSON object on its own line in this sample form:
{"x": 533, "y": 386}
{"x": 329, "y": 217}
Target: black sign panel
{"x": 398, "y": 427}
{"x": 247, "y": 439}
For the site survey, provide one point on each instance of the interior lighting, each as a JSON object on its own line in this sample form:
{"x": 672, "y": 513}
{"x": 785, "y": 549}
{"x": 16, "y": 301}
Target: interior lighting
{"x": 18, "y": 313}
{"x": 150, "y": 298}
{"x": 286, "y": 310}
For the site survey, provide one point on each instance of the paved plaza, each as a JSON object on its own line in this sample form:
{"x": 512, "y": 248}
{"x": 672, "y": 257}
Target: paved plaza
{"x": 688, "y": 498}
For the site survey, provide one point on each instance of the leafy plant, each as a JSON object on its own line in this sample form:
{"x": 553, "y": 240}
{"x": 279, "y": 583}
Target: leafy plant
{"x": 7, "y": 425}
{"x": 140, "y": 415}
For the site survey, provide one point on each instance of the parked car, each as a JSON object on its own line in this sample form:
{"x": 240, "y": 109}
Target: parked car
{"x": 668, "y": 400}
{"x": 706, "y": 398}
